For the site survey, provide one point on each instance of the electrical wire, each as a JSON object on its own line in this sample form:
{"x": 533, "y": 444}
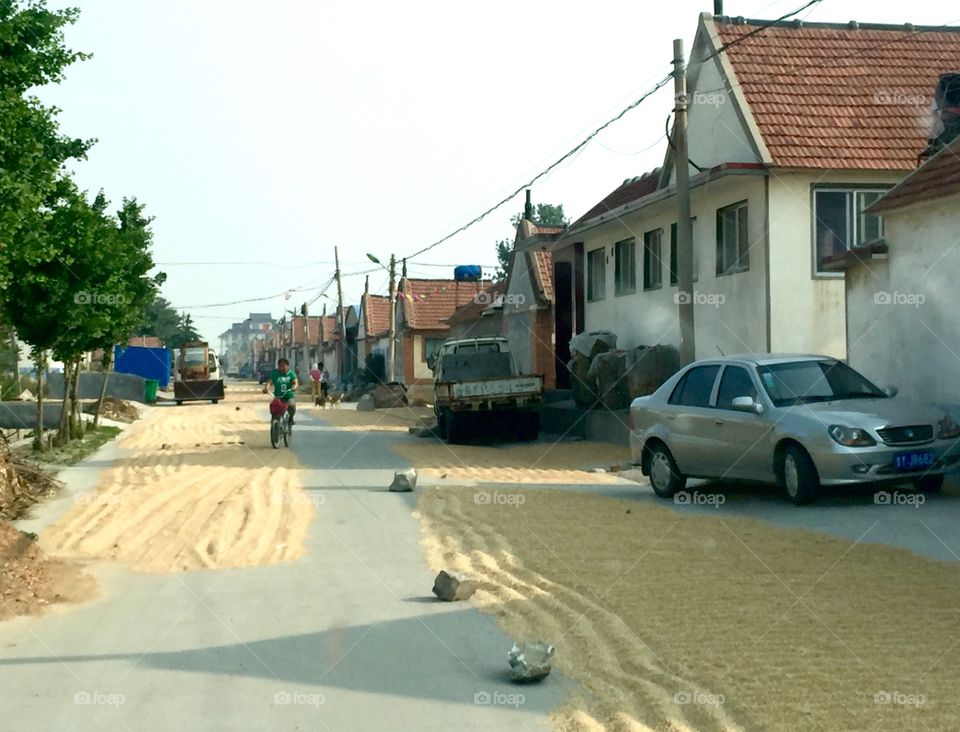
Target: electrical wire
{"x": 761, "y": 28}
{"x": 573, "y": 151}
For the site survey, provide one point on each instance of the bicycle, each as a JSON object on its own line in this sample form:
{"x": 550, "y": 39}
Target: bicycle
{"x": 280, "y": 427}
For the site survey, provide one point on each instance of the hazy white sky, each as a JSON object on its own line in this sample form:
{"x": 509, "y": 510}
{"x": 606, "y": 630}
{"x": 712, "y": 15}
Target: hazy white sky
{"x": 261, "y": 134}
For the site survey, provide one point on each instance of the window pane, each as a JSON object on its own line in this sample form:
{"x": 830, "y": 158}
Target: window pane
{"x": 733, "y": 244}
{"x": 832, "y": 225}
{"x": 743, "y": 238}
{"x": 596, "y": 274}
{"x": 673, "y": 254}
{"x": 652, "y": 261}
{"x": 695, "y": 388}
{"x": 869, "y": 227}
{"x": 625, "y": 267}
{"x": 735, "y": 382}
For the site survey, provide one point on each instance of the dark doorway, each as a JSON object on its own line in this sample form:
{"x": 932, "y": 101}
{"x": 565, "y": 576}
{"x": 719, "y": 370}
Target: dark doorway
{"x": 563, "y": 320}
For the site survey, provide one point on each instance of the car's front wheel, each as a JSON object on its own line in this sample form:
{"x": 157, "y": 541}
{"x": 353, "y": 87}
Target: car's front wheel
{"x": 928, "y": 483}
{"x": 665, "y": 477}
{"x": 800, "y": 478}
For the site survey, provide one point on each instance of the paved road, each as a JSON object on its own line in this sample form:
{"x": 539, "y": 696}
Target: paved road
{"x": 348, "y": 638}
{"x": 926, "y": 524}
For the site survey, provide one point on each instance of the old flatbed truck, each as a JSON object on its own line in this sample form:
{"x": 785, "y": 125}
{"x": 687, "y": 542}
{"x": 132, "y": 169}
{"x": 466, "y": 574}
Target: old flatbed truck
{"x": 476, "y": 383}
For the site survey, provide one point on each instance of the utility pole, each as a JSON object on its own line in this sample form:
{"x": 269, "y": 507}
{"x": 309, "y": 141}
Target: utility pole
{"x": 304, "y": 366}
{"x": 342, "y": 347}
{"x": 685, "y": 294}
{"x": 392, "y": 346}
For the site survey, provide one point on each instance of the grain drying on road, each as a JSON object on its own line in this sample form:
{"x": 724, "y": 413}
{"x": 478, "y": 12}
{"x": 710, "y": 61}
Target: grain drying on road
{"x": 749, "y": 626}
{"x": 198, "y": 487}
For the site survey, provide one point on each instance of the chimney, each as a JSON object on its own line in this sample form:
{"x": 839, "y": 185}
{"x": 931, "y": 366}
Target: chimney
{"x": 366, "y": 285}
{"x": 718, "y": 7}
{"x": 528, "y": 208}
{"x": 403, "y": 270}
{"x": 946, "y": 115}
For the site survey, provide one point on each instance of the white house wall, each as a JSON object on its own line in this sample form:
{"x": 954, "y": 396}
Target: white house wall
{"x": 715, "y": 132}
{"x": 516, "y": 314}
{"x": 902, "y": 312}
{"x": 806, "y": 311}
{"x": 729, "y": 310}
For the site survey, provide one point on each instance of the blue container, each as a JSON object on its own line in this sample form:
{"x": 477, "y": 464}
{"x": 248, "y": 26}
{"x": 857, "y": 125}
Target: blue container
{"x": 468, "y": 273}
{"x": 149, "y": 363}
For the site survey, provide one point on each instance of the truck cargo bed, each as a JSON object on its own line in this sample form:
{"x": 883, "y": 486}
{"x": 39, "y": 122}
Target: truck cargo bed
{"x": 199, "y": 390}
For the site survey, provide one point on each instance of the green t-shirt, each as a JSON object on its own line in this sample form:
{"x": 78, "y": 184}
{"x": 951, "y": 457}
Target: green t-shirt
{"x": 282, "y": 383}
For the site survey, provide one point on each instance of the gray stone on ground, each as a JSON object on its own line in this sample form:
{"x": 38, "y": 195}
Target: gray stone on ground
{"x": 366, "y": 404}
{"x": 530, "y": 660}
{"x": 451, "y": 586}
{"x": 422, "y": 430}
{"x": 404, "y": 481}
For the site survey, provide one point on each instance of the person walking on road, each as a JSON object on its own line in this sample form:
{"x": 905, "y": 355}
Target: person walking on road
{"x": 324, "y": 381}
{"x": 315, "y": 376}
{"x": 284, "y": 385}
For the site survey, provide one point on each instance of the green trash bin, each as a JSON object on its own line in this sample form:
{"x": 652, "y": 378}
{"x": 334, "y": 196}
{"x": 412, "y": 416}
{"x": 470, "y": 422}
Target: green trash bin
{"x": 150, "y": 390}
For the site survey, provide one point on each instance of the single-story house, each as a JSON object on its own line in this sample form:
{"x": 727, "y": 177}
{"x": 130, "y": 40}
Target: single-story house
{"x": 794, "y": 133}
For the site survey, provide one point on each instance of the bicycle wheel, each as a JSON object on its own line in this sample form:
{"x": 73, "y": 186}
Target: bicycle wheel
{"x": 275, "y": 428}
{"x": 287, "y": 432}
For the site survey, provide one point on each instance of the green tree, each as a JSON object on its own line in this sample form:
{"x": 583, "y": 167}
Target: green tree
{"x": 32, "y": 150}
{"x": 171, "y": 327}
{"x": 544, "y": 214}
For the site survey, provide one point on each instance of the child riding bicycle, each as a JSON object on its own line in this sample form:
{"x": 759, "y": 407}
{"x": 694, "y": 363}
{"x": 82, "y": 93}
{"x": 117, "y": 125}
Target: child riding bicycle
{"x": 284, "y": 386}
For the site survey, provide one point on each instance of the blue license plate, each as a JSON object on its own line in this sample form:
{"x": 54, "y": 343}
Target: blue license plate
{"x": 912, "y": 460}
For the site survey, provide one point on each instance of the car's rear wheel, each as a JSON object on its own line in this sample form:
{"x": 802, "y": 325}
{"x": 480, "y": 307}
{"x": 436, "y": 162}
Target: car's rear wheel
{"x": 799, "y": 476}
{"x": 928, "y": 483}
{"x": 665, "y": 477}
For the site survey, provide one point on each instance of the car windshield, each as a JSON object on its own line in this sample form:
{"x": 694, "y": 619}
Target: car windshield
{"x": 804, "y": 382}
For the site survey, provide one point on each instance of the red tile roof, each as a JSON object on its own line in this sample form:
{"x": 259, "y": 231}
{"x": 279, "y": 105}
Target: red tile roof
{"x": 544, "y": 272}
{"x": 473, "y": 310}
{"x": 429, "y": 303}
{"x": 937, "y": 178}
{"x": 837, "y": 97}
{"x": 631, "y": 190}
{"x": 376, "y": 315}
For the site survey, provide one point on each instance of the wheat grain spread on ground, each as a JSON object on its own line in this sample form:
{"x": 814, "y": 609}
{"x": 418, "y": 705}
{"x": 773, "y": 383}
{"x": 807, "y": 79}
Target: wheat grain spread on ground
{"x": 200, "y": 488}
{"x": 676, "y": 622}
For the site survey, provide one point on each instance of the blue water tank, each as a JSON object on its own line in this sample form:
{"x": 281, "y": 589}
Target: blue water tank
{"x": 468, "y": 273}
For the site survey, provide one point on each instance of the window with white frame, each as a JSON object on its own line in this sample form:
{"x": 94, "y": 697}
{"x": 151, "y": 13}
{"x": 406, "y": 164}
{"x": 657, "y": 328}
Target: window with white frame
{"x": 733, "y": 242}
{"x": 652, "y": 259}
{"x": 625, "y": 267}
{"x": 596, "y": 274}
{"x": 673, "y": 253}
{"x": 841, "y": 221}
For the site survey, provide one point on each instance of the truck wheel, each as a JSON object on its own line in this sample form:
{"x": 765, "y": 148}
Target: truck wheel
{"x": 457, "y": 428}
{"x": 442, "y": 425}
{"x": 214, "y": 401}
{"x": 529, "y": 426}
{"x": 179, "y": 402}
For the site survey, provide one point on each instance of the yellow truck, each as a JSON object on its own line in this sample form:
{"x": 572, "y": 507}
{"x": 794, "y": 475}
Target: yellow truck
{"x": 198, "y": 374}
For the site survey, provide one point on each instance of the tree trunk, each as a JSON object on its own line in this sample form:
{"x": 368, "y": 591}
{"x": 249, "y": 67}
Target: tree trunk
{"x": 76, "y": 427}
{"x": 40, "y": 360}
{"x": 63, "y": 428}
{"x": 107, "y": 361}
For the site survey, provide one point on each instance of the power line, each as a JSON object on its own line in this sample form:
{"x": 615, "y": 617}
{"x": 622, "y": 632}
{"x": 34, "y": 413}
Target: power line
{"x": 573, "y": 151}
{"x": 761, "y": 28}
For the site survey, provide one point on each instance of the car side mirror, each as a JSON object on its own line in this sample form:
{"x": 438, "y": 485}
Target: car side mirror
{"x": 891, "y": 391}
{"x": 747, "y": 404}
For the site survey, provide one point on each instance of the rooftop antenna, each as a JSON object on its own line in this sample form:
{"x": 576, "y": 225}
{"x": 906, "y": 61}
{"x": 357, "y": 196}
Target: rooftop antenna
{"x": 721, "y": 351}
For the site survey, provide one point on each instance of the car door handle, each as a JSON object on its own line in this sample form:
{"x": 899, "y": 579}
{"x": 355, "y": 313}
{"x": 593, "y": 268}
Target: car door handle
{"x": 718, "y": 421}
{"x": 671, "y": 416}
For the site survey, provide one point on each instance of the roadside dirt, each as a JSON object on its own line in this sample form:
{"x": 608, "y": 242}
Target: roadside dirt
{"x": 676, "y": 622}
{"x": 30, "y": 581}
{"x": 203, "y": 489}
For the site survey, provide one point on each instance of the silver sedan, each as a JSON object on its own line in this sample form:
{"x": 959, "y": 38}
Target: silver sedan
{"x": 801, "y": 421}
